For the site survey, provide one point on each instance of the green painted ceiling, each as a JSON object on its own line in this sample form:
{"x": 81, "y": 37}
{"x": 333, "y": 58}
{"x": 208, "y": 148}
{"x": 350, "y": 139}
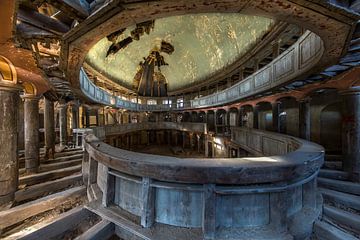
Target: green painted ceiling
{"x": 204, "y": 44}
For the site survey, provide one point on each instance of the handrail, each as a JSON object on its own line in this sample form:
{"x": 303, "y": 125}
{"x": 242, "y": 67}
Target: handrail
{"x": 295, "y": 61}
{"x": 296, "y": 159}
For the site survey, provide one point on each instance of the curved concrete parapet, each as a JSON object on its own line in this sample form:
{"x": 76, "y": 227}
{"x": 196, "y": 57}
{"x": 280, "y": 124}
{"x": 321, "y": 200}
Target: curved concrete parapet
{"x": 232, "y": 198}
{"x": 295, "y": 61}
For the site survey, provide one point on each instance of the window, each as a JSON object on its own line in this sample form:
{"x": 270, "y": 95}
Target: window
{"x": 167, "y": 102}
{"x": 151, "y": 102}
{"x": 180, "y": 103}
{"x": 134, "y": 100}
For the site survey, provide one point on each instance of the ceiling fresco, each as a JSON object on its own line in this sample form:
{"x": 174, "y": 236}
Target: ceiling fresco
{"x": 203, "y": 44}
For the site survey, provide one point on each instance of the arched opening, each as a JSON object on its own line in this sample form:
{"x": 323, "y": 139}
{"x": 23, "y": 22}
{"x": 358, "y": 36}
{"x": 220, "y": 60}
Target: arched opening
{"x": 289, "y": 116}
{"x": 221, "y": 121}
{"x": 265, "y": 116}
{"x": 186, "y": 117}
{"x": 194, "y": 117}
{"x": 233, "y": 117}
{"x": 202, "y": 117}
{"x": 247, "y": 116}
{"x": 330, "y": 128}
{"x": 211, "y": 120}
{"x": 326, "y": 119}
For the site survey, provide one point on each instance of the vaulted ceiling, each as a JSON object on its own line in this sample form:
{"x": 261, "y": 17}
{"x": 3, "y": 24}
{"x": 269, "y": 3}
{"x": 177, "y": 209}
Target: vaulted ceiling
{"x": 204, "y": 44}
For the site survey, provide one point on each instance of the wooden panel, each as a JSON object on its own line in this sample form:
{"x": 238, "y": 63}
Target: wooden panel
{"x": 263, "y": 77}
{"x": 284, "y": 65}
{"x": 209, "y": 212}
{"x": 147, "y": 203}
{"x": 295, "y": 200}
{"x": 254, "y": 142}
{"x": 101, "y": 176}
{"x": 273, "y": 147}
{"x": 178, "y": 207}
{"x": 242, "y": 210}
{"x": 127, "y": 196}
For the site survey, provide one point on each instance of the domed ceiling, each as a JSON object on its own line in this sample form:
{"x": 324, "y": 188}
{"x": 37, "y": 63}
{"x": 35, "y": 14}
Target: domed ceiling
{"x": 203, "y": 44}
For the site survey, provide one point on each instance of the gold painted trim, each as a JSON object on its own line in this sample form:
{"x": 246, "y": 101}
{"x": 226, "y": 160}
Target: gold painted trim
{"x": 7, "y": 71}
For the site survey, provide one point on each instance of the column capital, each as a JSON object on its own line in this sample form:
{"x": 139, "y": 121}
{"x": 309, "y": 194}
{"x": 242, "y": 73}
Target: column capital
{"x": 30, "y": 97}
{"x": 10, "y": 87}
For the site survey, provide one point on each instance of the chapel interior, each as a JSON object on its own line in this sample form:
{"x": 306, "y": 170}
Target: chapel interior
{"x": 180, "y": 120}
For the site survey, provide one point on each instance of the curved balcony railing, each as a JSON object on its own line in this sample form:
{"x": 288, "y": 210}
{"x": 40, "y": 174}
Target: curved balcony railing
{"x": 295, "y": 61}
{"x": 116, "y": 129}
{"x": 242, "y": 198}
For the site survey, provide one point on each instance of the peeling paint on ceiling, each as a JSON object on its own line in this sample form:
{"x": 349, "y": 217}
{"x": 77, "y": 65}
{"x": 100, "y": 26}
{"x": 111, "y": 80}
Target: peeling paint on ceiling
{"x": 204, "y": 44}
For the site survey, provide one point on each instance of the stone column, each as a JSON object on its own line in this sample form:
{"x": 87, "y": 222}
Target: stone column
{"x": 275, "y": 116}
{"x": 63, "y": 123}
{"x": 97, "y": 118}
{"x": 184, "y": 139}
{"x": 191, "y": 140}
{"x": 176, "y": 138}
{"x": 198, "y": 143}
{"x": 87, "y": 117}
{"x": 9, "y": 172}
{"x": 215, "y": 121}
{"x": 21, "y": 130}
{"x": 275, "y": 49}
{"x": 49, "y": 125}
{"x": 168, "y": 137}
{"x": 241, "y": 114}
{"x": 304, "y": 119}
{"x": 206, "y": 139}
{"x": 31, "y": 120}
{"x": 75, "y": 116}
{"x": 256, "y": 117}
{"x": 351, "y": 132}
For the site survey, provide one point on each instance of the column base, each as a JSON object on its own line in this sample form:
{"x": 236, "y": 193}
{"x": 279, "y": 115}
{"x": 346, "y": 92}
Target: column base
{"x": 7, "y": 201}
{"x": 49, "y": 153}
{"x": 32, "y": 170}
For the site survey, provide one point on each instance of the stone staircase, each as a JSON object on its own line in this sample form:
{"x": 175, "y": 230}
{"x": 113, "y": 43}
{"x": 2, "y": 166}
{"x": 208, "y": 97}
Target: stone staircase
{"x": 341, "y": 211}
{"x": 47, "y": 196}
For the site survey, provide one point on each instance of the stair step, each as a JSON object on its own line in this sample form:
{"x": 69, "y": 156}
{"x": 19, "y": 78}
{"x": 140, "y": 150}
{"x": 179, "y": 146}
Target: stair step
{"x": 344, "y": 199}
{"x": 22, "y": 212}
{"x": 27, "y": 233}
{"x": 41, "y": 189}
{"x": 325, "y": 231}
{"x": 62, "y": 154}
{"x": 341, "y": 186}
{"x": 58, "y": 228}
{"x": 343, "y": 218}
{"x": 48, "y": 176}
{"x": 102, "y": 230}
{"x": 62, "y": 159}
{"x": 54, "y": 166}
{"x": 336, "y": 165}
{"x": 333, "y": 157}
{"x": 60, "y": 165}
{"x": 334, "y": 174}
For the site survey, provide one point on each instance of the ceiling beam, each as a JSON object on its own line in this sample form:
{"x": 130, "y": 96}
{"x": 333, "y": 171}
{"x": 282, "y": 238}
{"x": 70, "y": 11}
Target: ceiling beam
{"x": 77, "y": 9}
